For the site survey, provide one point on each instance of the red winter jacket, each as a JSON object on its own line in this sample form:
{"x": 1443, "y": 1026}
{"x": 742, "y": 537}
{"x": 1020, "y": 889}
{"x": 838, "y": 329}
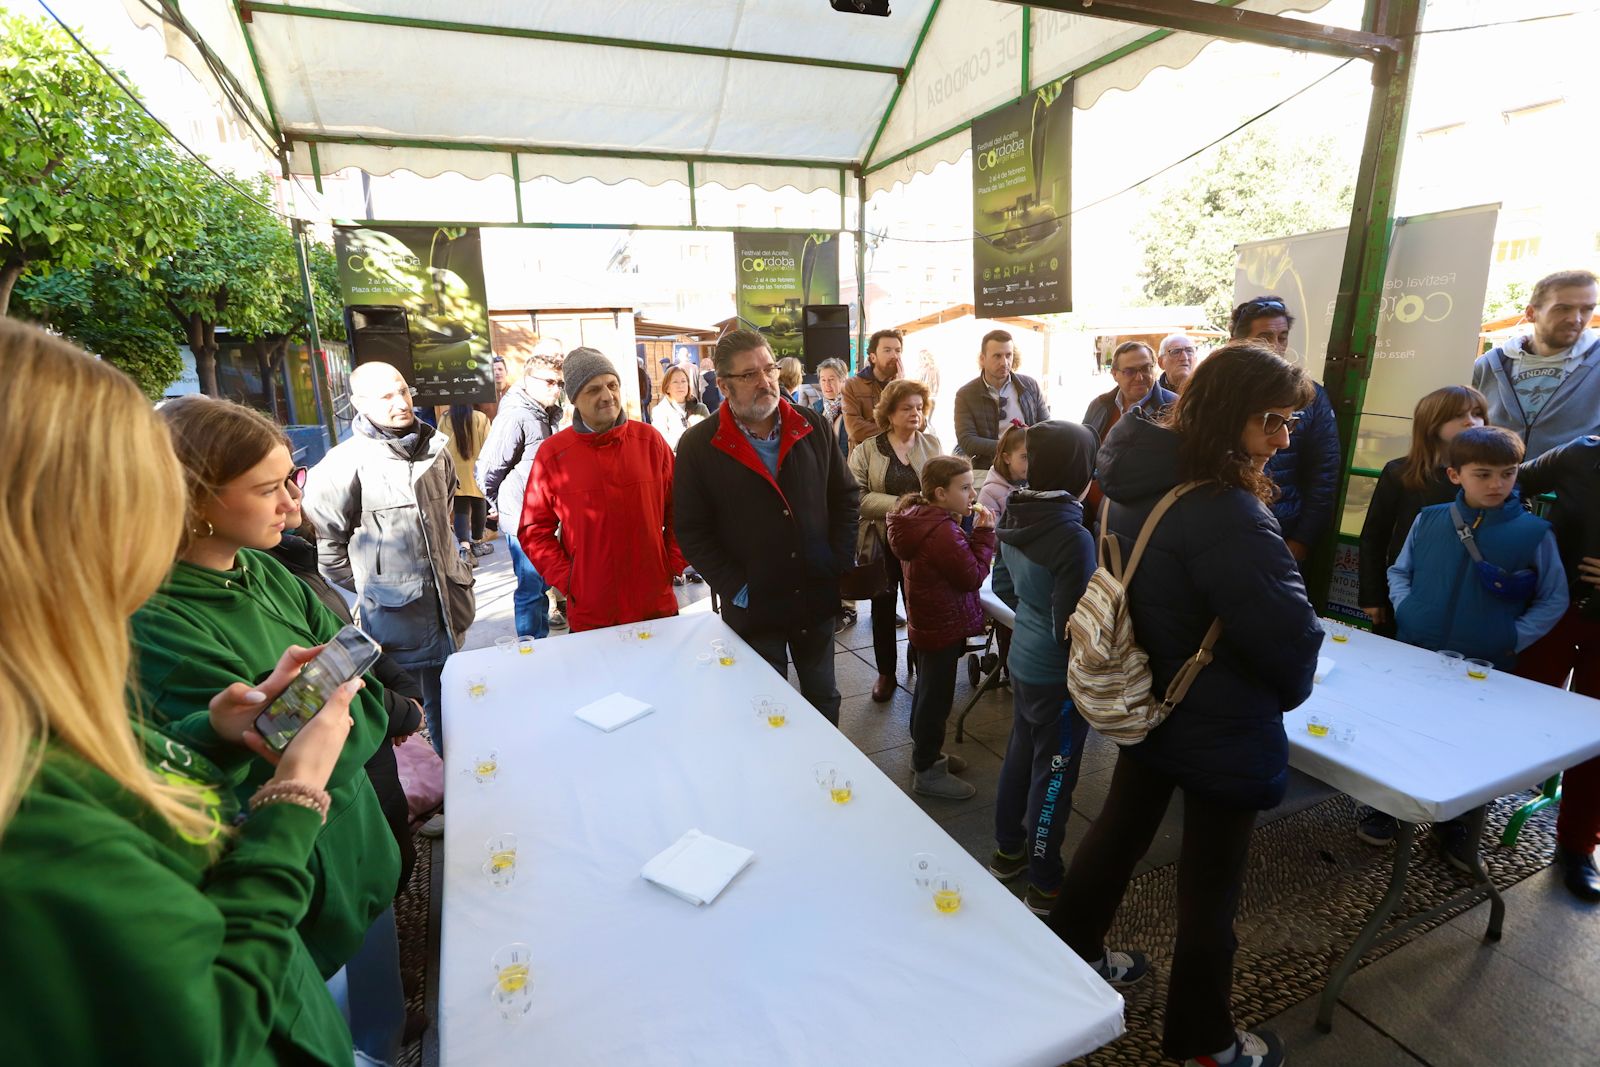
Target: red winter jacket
{"x": 945, "y": 567}
{"x": 610, "y": 495}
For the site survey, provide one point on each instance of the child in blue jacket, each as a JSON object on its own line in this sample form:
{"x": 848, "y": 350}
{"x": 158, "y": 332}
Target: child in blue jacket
{"x": 1444, "y": 598}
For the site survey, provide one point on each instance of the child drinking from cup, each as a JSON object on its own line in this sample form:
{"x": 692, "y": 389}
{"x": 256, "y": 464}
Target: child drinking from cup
{"x": 944, "y": 568}
{"x": 1480, "y": 576}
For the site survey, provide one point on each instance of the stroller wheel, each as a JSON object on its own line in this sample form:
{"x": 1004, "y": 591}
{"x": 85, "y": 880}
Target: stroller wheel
{"x": 974, "y": 671}
{"x": 991, "y": 660}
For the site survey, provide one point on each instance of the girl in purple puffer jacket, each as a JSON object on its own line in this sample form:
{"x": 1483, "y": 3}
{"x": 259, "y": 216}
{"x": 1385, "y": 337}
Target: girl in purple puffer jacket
{"x": 944, "y": 568}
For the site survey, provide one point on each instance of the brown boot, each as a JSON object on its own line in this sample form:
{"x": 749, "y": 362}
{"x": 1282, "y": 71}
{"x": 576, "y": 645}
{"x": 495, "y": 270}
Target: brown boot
{"x": 883, "y": 688}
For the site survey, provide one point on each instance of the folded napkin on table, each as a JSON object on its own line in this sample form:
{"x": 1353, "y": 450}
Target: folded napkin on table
{"x": 697, "y": 867}
{"x": 613, "y": 711}
{"x": 1324, "y": 668}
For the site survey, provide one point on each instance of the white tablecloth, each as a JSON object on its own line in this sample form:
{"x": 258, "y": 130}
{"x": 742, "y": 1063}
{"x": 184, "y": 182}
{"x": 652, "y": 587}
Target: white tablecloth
{"x": 994, "y": 607}
{"x": 1430, "y": 745}
{"x": 822, "y": 952}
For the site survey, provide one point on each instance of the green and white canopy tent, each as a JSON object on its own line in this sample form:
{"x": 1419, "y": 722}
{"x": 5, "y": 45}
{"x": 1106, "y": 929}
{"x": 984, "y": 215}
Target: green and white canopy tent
{"x": 713, "y": 95}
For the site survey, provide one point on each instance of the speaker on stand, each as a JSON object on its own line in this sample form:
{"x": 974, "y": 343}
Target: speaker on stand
{"x": 825, "y": 334}
{"x": 380, "y": 334}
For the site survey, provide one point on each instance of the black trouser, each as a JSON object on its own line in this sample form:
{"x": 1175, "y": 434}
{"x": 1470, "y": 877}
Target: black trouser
{"x": 885, "y": 642}
{"x": 931, "y": 700}
{"x": 1216, "y": 841}
{"x": 812, "y": 650}
{"x": 471, "y": 514}
{"x": 1040, "y": 772}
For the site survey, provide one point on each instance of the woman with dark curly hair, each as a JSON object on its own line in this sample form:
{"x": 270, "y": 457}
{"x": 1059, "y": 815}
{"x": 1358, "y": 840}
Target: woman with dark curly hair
{"x": 1217, "y": 555}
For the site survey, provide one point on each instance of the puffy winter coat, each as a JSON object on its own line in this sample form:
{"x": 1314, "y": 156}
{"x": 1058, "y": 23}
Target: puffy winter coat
{"x": 1307, "y": 474}
{"x": 996, "y": 490}
{"x": 869, "y": 466}
{"x": 945, "y": 567}
{"x": 597, "y": 524}
{"x": 1048, "y": 556}
{"x": 1217, "y": 553}
{"x": 1393, "y": 509}
{"x": 385, "y": 530}
{"x": 978, "y": 416}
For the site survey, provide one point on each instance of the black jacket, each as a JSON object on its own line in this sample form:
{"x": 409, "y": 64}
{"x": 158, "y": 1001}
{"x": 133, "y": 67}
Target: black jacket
{"x": 399, "y": 690}
{"x": 1101, "y": 416}
{"x": 506, "y": 459}
{"x": 786, "y": 542}
{"x": 1217, "y": 553}
{"x": 978, "y": 417}
{"x": 1307, "y": 474}
{"x": 1572, "y": 472}
{"x": 1389, "y": 517}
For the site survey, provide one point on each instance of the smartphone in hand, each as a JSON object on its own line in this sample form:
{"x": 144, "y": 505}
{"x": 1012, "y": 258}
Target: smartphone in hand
{"x": 349, "y": 655}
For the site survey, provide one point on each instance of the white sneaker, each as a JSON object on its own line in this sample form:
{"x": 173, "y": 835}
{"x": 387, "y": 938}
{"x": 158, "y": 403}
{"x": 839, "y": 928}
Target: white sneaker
{"x": 434, "y": 827}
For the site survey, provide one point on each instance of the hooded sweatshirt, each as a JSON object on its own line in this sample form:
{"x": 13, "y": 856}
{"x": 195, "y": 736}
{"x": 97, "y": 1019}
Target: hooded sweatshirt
{"x": 1548, "y": 400}
{"x": 204, "y": 630}
{"x": 1047, "y": 551}
{"x": 126, "y": 943}
{"x": 944, "y": 567}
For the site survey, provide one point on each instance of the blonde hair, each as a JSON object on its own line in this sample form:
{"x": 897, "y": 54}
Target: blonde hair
{"x": 215, "y": 441}
{"x": 77, "y": 429}
{"x": 898, "y": 392}
{"x": 790, "y": 372}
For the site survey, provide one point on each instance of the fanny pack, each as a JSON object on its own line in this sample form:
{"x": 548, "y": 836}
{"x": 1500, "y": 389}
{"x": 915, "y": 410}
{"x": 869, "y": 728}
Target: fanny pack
{"x": 1507, "y": 585}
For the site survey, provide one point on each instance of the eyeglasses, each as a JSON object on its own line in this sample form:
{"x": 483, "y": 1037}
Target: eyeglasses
{"x": 1142, "y": 370}
{"x": 557, "y": 382}
{"x": 297, "y": 478}
{"x": 1175, "y": 349}
{"x": 770, "y": 372}
{"x": 1272, "y": 422}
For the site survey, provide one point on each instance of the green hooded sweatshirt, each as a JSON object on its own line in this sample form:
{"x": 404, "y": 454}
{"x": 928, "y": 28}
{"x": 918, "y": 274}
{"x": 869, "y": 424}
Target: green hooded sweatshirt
{"x": 204, "y": 630}
{"x": 125, "y": 943}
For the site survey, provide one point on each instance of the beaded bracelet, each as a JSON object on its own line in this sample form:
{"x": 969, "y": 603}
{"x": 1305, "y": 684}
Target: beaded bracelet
{"x": 291, "y": 792}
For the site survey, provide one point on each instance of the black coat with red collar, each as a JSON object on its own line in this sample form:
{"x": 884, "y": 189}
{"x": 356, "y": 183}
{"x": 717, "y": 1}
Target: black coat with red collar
{"x": 785, "y": 540}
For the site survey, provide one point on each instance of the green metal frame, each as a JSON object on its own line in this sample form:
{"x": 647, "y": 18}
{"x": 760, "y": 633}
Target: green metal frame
{"x": 516, "y": 183}
{"x": 261, "y": 77}
{"x": 1359, "y": 299}
{"x": 894, "y": 98}
{"x": 861, "y": 265}
{"x": 370, "y": 19}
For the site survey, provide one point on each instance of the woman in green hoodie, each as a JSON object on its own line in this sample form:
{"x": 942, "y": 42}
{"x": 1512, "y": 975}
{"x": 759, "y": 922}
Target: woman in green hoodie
{"x": 226, "y": 611}
{"x": 142, "y": 922}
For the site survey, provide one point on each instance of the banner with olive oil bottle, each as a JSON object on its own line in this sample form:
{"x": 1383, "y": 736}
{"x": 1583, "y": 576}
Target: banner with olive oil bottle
{"x": 1021, "y": 197}
{"x": 777, "y": 275}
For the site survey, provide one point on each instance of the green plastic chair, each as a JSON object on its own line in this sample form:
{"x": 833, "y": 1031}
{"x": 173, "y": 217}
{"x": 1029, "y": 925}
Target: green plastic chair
{"x": 1548, "y": 795}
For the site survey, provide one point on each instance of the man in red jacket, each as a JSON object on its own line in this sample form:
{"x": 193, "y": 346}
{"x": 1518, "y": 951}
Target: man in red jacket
{"x": 597, "y": 518}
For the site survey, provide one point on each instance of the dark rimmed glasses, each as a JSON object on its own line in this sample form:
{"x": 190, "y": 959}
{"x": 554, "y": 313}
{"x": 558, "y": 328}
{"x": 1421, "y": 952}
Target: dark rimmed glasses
{"x": 1272, "y": 422}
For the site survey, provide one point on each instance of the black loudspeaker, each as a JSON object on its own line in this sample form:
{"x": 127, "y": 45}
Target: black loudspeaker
{"x": 826, "y": 334}
{"x": 380, "y": 335}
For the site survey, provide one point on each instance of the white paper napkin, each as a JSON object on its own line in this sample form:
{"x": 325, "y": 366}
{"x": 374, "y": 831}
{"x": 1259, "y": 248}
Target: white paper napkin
{"x": 697, "y": 867}
{"x": 613, "y": 711}
{"x": 1324, "y": 668}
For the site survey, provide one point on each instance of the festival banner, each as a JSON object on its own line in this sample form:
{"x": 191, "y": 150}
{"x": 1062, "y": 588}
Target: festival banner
{"x": 435, "y": 275}
{"x": 1021, "y": 196}
{"x": 776, "y": 276}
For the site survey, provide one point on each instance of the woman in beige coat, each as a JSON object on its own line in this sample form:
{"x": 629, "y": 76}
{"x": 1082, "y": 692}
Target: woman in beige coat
{"x": 886, "y": 467}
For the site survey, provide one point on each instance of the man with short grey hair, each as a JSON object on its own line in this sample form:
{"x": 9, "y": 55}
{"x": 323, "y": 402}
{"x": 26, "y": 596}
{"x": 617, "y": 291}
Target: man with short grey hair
{"x": 383, "y": 505}
{"x": 1177, "y": 358}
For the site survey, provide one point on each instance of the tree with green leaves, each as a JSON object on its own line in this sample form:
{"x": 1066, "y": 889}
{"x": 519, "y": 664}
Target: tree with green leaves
{"x": 239, "y": 273}
{"x": 119, "y": 318}
{"x": 1259, "y": 184}
{"x": 87, "y": 176}
{"x": 291, "y": 324}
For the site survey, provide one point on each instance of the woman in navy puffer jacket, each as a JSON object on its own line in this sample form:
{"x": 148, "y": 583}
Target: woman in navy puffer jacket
{"x": 1218, "y": 553}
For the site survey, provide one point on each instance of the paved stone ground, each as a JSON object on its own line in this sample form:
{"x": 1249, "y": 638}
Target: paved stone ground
{"x": 1447, "y": 998}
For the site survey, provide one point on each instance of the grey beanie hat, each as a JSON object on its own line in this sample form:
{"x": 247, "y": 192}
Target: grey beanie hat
{"x": 581, "y": 365}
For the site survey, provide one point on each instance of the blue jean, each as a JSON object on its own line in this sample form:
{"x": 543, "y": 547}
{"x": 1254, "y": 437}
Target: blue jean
{"x": 369, "y": 993}
{"x": 428, "y": 677}
{"x": 1040, "y": 771}
{"x": 529, "y": 606}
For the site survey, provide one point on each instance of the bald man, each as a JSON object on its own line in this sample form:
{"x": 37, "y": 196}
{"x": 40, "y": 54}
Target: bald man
{"x": 1177, "y": 359}
{"x": 382, "y": 503}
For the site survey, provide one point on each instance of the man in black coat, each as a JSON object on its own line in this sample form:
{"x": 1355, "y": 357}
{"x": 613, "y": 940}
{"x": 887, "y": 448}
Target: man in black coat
{"x": 765, "y": 509}
{"x": 997, "y": 398}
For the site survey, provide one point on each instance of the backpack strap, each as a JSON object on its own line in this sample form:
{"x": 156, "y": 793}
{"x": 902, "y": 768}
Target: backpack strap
{"x": 1110, "y": 548}
{"x": 1149, "y": 528}
{"x": 1179, "y": 687}
{"x": 1464, "y": 532}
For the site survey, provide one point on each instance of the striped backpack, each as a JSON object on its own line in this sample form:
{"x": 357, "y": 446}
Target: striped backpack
{"x": 1108, "y": 674}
